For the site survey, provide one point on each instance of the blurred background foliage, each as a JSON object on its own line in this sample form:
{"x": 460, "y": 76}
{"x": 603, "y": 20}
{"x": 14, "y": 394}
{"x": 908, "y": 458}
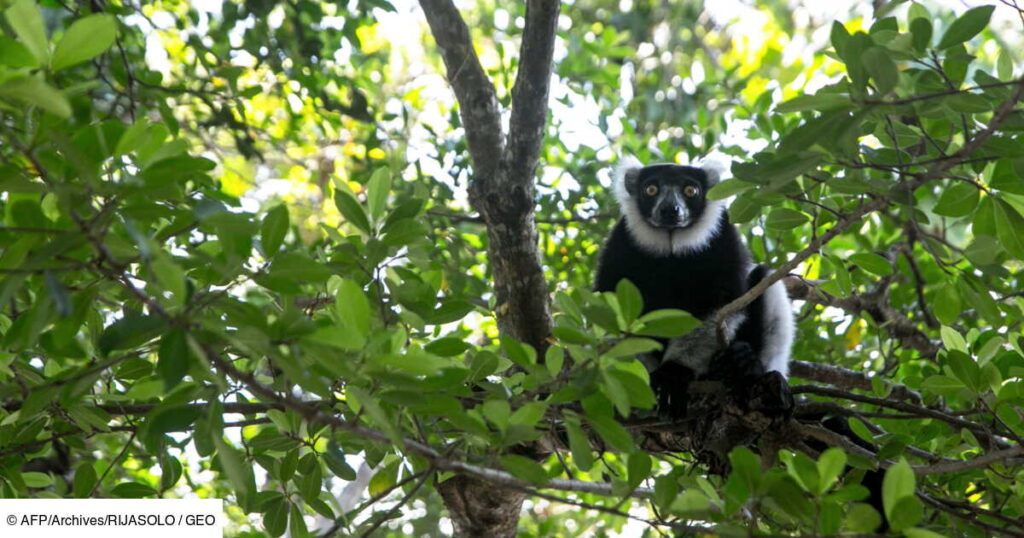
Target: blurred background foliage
{"x": 281, "y": 186}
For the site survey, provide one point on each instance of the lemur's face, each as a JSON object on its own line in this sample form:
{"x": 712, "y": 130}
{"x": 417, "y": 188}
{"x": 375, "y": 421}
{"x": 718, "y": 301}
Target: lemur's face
{"x": 670, "y": 196}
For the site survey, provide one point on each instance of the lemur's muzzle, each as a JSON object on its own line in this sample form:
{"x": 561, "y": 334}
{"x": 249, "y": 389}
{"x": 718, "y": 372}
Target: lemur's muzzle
{"x": 671, "y": 213}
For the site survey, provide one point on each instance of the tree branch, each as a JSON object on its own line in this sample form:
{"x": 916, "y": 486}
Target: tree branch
{"x": 478, "y": 101}
{"x": 925, "y": 412}
{"x": 979, "y": 462}
{"x": 842, "y": 377}
{"x": 530, "y": 93}
{"x": 875, "y": 303}
{"x": 502, "y": 189}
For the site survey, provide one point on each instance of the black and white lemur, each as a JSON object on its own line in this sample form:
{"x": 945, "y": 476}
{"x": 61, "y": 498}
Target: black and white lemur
{"x": 681, "y": 251}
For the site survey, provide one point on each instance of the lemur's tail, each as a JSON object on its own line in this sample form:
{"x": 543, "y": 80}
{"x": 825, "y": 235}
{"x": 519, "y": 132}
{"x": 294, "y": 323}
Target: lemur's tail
{"x": 751, "y": 331}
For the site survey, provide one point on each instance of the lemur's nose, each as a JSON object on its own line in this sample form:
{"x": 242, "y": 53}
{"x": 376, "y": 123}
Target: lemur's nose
{"x": 671, "y": 212}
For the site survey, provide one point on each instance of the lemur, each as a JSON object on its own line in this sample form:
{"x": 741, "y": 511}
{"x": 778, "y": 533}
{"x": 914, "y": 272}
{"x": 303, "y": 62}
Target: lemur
{"x": 680, "y": 250}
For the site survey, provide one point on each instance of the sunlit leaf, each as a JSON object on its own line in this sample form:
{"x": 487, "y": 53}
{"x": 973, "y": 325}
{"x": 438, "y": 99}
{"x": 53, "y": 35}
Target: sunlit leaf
{"x": 87, "y": 37}
{"x": 968, "y": 25}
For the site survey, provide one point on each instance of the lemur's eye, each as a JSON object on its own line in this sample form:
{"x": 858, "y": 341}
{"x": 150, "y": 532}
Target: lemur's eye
{"x": 651, "y": 190}
{"x": 690, "y": 191}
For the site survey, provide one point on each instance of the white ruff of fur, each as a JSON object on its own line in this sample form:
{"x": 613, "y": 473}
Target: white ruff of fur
{"x": 660, "y": 241}
{"x": 778, "y": 330}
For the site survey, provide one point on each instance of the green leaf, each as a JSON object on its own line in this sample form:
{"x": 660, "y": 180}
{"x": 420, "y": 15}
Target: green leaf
{"x": 840, "y": 37}
{"x": 34, "y": 91}
{"x": 1009, "y": 228}
{"x": 384, "y": 479}
{"x": 1006, "y": 178}
{"x": 518, "y": 352}
{"x": 859, "y": 43}
{"x": 273, "y": 229}
{"x": 572, "y": 335}
{"x": 862, "y": 517}
{"x": 524, "y": 468}
{"x": 638, "y": 468}
{"x": 805, "y": 471}
{"x": 613, "y": 432}
{"x": 299, "y": 266}
{"x": 968, "y": 25}
{"x": 1004, "y": 65}
{"x": 134, "y": 137}
{"x": 881, "y": 68}
{"x": 498, "y": 412}
{"x": 943, "y": 384}
{"x": 897, "y": 485}
{"x": 958, "y": 200}
{"x": 529, "y": 414}
{"x": 133, "y": 330}
{"x": 554, "y": 360}
{"x": 603, "y": 316}
{"x": 872, "y": 263}
{"x": 636, "y": 383}
{"x": 666, "y": 489}
{"x": 238, "y": 471}
{"x": 631, "y": 303}
{"x": 484, "y": 363}
{"x": 174, "y": 358}
{"x": 59, "y": 294}
{"x": 906, "y": 513}
{"x": 921, "y": 29}
{"x": 37, "y": 480}
{"x": 14, "y": 54}
{"x": 830, "y": 465}
{"x": 952, "y": 340}
{"x": 579, "y": 444}
{"x": 351, "y": 210}
{"x": 747, "y": 466}
{"x": 783, "y": 219}
{"x": 965, "y": 369}
{"x": 616, "y": 393}
{"x": 275, "y": 519}
{"x": 449, "y": 311}
{"x": 447, "y": 347}
{"x": 630, "y": 347}
{"x": 133, "y": 490}
{"x": 667, "y": 323}
{"x": 344, "y": 337}
{"x": 86, "y": 38}
{"x": 364, "y": 401}
{"x": 744, "y": 208}
{"x": 170, "y": 419}
{"x": 377, "y": 192}
{"x": 946, "y": 304}
{"x": 729, "y": 188}
{"x": 27, "y": 22}
{"x": 296, "y": 524}
{"x": 85, "y": 479}
{"x": 170, "y": 276}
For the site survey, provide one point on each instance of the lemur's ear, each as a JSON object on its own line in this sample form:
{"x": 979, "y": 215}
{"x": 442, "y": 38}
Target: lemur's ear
{"x": 714, "y": 169}
{"x": 626, "y": 175}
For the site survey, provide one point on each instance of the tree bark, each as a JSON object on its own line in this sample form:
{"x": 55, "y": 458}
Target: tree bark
{"x": 479, "y": 508}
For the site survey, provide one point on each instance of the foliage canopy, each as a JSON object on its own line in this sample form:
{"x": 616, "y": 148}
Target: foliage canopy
{"x": 237, "y": 237}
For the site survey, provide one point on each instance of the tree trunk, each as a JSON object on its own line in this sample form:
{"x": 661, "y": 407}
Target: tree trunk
{"x": 502, "y": 190}
{"x": 481, "y": 509}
